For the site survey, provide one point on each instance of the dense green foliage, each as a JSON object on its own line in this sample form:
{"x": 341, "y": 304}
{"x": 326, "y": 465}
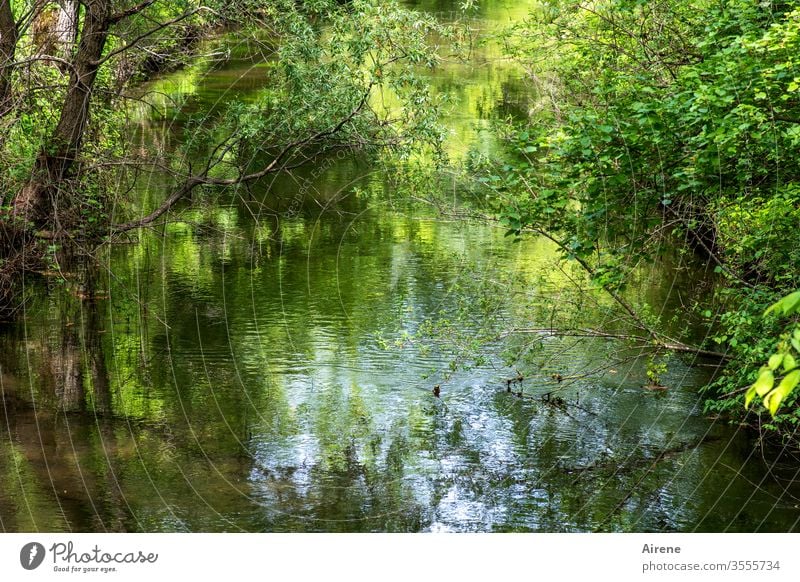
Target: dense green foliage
{"x": 340, "y": 76}
{"x": 782, "y": 363}
{"x": 343, "y": 72}
{"x": 658, "y": 125}
{"x": 325, "y": 58}
{"x": 674, "y": 124}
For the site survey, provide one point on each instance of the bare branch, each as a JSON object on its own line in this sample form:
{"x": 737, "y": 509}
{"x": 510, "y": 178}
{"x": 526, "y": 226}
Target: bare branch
{"x": 672, "y": 346}
{"x": 119, "y": 16}
{"x": 132, "y": 43}
{"x": 37, "y": 58}
{"x": 203, "y": 179}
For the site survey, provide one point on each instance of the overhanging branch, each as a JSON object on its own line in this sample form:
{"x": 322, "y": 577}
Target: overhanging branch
{"x": 203, "y": 179}
{"x": 132, "y": 43}
{"x": 123, "y": 14}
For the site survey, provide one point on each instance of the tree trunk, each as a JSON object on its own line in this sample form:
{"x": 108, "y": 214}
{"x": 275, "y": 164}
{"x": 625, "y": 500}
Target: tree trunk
{"x": 66, "y": 371}
{"x": 66, "y": 28}
{"x": 38, "y": 199}
{"x": 8, "y": 47}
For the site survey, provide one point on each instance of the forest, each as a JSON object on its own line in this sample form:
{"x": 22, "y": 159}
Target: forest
{"x": 418, "y": 265}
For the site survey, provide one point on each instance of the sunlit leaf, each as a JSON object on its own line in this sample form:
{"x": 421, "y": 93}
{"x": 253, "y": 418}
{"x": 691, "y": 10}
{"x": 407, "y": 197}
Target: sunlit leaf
{"x": 773, "y": 400}
{"x": 786, "y": 306}
{"x": 764, "y": 383}
{"x": 789, "y": 363}
{"x": 791, "y": 303}
{"x": 749, "y": 395}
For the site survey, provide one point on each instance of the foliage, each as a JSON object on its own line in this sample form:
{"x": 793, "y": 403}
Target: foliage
{"x": 782, "y": 365}
{"x": 365, "y": 50}
{"x": 675, "y": 124}
{"x": 656, "y": 368}
{"x": 342, "y": 75}
{"x": 663, "y": 129}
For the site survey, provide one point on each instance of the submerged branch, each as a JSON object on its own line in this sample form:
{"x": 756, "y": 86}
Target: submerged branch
{"x": 663, "y": 455}
{"x": 672, "y": 346}
{"x": 628, "y": 465}
{"x": 657, "y": 338}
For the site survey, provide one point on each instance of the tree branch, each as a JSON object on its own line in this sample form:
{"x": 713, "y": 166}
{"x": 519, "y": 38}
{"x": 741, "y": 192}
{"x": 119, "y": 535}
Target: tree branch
{"x": 122, "y": 15}
{"x": 786, "y": 119}
{"x": 593, "y": 333}
{"x": 37, "y": 58}
{"x": 131, "y": 44}
{"x": 203, "y": 179}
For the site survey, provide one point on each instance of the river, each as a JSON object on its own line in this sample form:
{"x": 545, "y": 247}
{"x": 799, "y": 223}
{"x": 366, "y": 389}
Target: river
{"x": 245, "y": 369}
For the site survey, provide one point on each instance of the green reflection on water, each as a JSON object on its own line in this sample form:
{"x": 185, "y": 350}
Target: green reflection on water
{"x": 247, "y": 370}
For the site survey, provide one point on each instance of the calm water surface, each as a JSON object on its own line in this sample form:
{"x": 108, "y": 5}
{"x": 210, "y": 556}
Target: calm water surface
{"x": 237, "y": 371}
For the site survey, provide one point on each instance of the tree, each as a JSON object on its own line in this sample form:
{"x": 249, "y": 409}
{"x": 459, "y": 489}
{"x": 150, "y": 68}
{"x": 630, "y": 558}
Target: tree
{"x": 330, "y": 58}
{"x": 676, "y": 126}
{"x": 8, "y": 46}
{"x": 37, "y": 202}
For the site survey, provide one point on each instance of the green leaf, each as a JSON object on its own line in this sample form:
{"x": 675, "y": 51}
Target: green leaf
{"x": 791, "y": 303}
{"x": 764, "y": 383}
{"x": 775, "y": 361}
{"x": 749, "y": 395}
{"x": 789, "y": 363}
{"x": 785, "y": 306}
{"x": 773, "y": 400}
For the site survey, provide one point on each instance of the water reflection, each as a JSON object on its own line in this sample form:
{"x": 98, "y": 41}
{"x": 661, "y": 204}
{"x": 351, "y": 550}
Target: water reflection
{"x": 200, "y": 386}
{"x": 241, "y": 370}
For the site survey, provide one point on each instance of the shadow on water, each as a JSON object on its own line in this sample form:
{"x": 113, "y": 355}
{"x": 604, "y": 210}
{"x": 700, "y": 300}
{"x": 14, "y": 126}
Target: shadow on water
{"x": 261, "y": 365}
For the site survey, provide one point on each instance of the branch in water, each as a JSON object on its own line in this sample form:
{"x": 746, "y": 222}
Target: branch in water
{"x": 653, "y": 339}
{"x": 203, "y": 179}
{"x": 659, "y": 339}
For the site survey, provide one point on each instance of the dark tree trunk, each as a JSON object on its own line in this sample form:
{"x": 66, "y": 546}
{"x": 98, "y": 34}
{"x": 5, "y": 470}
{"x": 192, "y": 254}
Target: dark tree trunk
{"x": 37, "y": 200}
{"x": 8, "y": 47}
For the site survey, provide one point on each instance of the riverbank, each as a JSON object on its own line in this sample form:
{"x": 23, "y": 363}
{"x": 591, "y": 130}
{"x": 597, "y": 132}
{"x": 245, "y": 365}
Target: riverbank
{"x": 651, "y": 141}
